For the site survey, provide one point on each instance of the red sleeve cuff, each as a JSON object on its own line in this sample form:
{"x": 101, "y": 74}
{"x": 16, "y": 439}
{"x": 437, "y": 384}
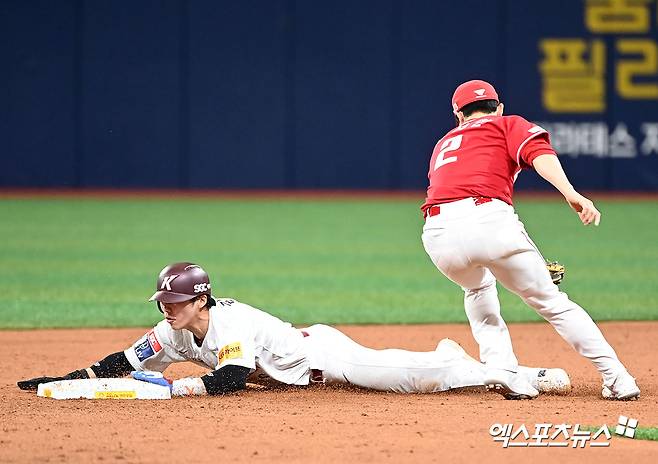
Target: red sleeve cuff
{"x": 534, "y": 148}
{"x": 531, "y": 157}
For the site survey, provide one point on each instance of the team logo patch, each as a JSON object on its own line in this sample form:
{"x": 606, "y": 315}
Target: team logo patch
{"x": 166, "y": 282}
{"x": 230, "y": 351}
{"x": 202, "y": 287}
{"x": 148, "y": 347}
{"x": 153, "y": 340}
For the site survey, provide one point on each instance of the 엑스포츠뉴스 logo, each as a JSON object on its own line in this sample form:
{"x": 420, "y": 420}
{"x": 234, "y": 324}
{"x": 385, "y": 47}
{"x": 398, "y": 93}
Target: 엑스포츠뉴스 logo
{"x": 626, "y": 427}
{"x": 549, "y": 435}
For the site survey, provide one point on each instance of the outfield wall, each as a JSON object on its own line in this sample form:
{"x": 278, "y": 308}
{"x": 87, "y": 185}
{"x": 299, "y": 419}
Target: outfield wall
{"x": 306, "y": 94}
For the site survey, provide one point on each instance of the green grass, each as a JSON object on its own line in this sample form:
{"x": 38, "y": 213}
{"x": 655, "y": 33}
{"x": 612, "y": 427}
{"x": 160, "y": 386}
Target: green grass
{"x": 641, "y": 433}
{"x": 93, "y": 262}
{"x": 646, "y": 433}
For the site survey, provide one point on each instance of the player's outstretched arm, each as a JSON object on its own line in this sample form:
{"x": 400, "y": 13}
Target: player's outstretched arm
{"x": 227, "y": 379}
{"x": 549, "y": 167}
{"x": 114, "y": 365}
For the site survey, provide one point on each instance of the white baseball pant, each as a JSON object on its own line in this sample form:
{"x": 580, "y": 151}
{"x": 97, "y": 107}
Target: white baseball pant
{"x": 344, "y": 361}
{"x": 475, "y": 245}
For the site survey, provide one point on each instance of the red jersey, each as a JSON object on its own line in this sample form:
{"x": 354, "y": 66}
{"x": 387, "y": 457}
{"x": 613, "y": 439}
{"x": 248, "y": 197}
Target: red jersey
{"x": 482, "y": 157}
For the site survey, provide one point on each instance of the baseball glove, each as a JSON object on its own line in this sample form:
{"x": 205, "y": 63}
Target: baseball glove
{"x": 556, "y": 270}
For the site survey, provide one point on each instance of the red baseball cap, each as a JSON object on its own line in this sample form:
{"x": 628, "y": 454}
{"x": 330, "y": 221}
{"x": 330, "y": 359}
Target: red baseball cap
{"x": 472, "y": 91}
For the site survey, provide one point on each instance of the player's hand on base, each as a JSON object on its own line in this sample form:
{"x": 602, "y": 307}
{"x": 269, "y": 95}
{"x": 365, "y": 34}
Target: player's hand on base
{"x": 33, "y": 384}
{"x": 586, "y": 210}
{"x": 151, "y": 377}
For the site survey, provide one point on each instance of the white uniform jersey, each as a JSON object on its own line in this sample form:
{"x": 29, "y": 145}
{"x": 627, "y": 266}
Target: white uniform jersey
{"x": 238, "y": 334}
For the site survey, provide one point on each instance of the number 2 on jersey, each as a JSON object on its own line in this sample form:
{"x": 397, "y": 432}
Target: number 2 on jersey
{"x": 451, "y": 144}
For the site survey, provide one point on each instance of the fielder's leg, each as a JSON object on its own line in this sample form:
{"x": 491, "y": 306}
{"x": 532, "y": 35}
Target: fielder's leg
{"x": 480, "y": 297}
{"x": 525, "y": 274}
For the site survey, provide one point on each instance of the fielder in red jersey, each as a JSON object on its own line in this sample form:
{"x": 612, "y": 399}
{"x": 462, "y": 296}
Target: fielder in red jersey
{"x": 482, "y": 157}
{"x": 474, "y": 237}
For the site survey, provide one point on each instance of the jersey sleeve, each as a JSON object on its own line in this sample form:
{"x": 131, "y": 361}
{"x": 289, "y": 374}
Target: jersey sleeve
{"x": 154, "y": 351}
{"x": 526, "y": 141}
{"x": 535, "y": 147}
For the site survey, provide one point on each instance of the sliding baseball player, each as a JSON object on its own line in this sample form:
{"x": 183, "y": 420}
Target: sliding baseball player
{"x": 237, "y": 342}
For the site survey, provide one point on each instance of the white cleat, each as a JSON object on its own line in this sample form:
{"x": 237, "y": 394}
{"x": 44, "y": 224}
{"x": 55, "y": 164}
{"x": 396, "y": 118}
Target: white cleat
{"x": 623, "y": 388}
{"x": 552, "y": 381}
{"x": 512, "y": 385}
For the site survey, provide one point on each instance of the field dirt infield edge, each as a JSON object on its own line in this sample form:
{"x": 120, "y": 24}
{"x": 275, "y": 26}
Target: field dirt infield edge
{"x": 318, "y": 423}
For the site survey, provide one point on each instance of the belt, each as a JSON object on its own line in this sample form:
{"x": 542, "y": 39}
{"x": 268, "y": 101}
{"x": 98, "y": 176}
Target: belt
{"x": 434, "y": 210}
{"x": 316, "y": 374}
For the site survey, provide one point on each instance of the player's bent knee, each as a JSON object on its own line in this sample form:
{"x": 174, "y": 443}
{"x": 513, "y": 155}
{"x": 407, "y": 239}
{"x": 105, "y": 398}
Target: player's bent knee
{"x": 489, "y": 286}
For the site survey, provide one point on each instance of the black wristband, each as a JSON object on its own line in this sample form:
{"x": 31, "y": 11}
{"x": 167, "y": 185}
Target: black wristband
{"x": 114, "y": 365}
{"x": 79, "y": 374}
{"x": 226, "y": 380}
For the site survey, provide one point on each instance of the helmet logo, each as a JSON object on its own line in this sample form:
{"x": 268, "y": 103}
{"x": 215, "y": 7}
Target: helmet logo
{"x": 166, "y": 282}
{"x": 201, "y": 287}
{"x": 479, "y": 92}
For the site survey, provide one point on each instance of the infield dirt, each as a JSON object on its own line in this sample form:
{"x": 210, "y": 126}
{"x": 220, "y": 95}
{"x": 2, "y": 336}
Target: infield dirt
{"x": 318, "y": 423}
